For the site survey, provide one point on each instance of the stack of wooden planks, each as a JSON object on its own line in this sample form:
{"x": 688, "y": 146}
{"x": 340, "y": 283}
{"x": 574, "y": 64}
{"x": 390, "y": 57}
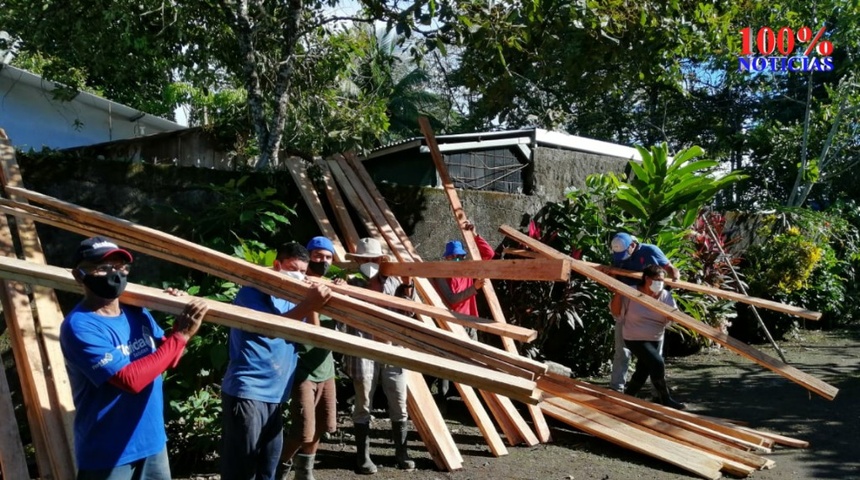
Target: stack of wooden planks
{"x": 435, "y": 344}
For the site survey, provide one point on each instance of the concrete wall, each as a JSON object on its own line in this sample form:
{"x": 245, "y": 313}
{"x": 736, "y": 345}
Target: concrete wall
{"x": 555, "y": 170}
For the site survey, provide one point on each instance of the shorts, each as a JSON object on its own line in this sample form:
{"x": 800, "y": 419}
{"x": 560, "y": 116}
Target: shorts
{"x": 313, "y": 410}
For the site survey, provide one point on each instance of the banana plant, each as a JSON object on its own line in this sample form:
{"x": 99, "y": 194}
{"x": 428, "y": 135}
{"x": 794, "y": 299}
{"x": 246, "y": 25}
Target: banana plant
{"x": 664, "y": 189}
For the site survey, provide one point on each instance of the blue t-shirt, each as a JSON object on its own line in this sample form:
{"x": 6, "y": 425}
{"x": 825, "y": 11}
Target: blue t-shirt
{"x": 112, "y": 427}
{"x": 261, "y": 368}
{"x": 645, "y": 255}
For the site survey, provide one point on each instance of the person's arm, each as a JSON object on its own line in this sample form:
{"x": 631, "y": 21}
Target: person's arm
{"x": 446, "y": 289}
{"x": 487, "y": 252}
{"x": 615, "y": 305}
{"x": 317, "y": 296}
{"x": 137, "y": 375}
{"x": 673, "y": 271}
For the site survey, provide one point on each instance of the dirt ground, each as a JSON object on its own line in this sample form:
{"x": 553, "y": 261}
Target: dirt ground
{"x": 714, "y": 382}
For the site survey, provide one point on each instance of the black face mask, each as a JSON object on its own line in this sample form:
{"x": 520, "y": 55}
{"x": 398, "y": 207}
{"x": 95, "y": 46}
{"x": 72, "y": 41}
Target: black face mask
{"x": 319, "y": 268}
{"x": 108, "y": 286}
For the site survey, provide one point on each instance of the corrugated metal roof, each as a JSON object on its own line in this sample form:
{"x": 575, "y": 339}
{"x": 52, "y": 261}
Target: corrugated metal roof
{"x": 539, "y": 137}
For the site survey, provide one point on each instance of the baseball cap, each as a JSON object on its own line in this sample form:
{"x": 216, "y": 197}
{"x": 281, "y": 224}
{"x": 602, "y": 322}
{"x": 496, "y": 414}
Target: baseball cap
{"x": 95, "y": 249}
{"x": 320, "y": 243}
{"x": 453, "y": 248}
{"x": 619, "y": 245}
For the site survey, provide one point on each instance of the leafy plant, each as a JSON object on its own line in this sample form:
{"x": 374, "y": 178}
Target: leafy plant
{"x": 662, "y": 191}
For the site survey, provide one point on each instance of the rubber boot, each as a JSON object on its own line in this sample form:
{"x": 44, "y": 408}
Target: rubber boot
{"x": 304, "y": 466}
{"x": 363, "y": 464}
{"x": 398, "y": 435}
{"x": 634, "y": 385}
{"x": 665, "y": 398}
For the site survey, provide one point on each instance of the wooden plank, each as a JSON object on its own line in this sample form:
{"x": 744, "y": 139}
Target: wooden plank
{"x": 727, "y": 434}
{"x": 526, "y": 270}
{"x": 626, "y": 436}
{"x": 49, "y": 313}
{"x": 49, "y": 441}
{"x": 341, "y": 214}
{"x": 516, "y": 332}
{"x": 804, "y": 379}
{"x": 351, "y": 195}
{"x": 312, "y": 200}
{"x": 366, "y": 209}
{"x": 186, "y": 253}
{"x": 521, "y": 252}
{"x": 273, "y": 325}
{"x": 717, "y": 292}
{"x": 689, "y": 437}
{"x": 541, "y": 428}
{"x": 13, "y": 462}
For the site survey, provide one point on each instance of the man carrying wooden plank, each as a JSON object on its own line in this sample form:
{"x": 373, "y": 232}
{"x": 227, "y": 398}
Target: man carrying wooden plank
{"x": 367, "y": 374}
{"x": 260, "y": 374}
{"x": 115, "y": 355}
{"x": 313, "y": 409}
{"x": 630, "y": 254}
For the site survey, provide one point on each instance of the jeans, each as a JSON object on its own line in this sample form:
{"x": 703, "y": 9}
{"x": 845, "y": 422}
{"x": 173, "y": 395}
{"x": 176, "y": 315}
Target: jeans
{"x": 649, "y": 362}
{"x": 252, "y": 438}
{"x": 153, "y": 467}
{"x": 393, "y": 384}
{"x": 621, "y": 360}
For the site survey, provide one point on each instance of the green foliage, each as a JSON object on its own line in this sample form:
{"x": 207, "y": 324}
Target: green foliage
{"x": 661, "y": 191}
{"x": 784, "y": 263}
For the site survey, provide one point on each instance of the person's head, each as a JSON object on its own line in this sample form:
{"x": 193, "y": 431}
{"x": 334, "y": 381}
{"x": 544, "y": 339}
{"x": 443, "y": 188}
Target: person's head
{"x": 102, "y": 267}
{"x": 623, "y": 245}
{"x": 321, "y": 251}
{"x": 292, "y": 260}
{"x": 368, "y": 254}
{"x": 454, "y": 251}
{"x": 653, "y": 279}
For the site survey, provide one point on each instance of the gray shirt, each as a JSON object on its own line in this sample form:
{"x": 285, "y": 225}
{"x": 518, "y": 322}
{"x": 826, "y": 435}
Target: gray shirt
{"x": 641, "y": 323}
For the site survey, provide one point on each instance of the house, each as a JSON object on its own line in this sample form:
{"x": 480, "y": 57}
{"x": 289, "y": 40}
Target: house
{"x": 33, "y": 119}
{"x": 504, "y": 177}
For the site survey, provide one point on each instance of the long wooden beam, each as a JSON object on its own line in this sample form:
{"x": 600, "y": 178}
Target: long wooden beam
{"x": 370, "y": 205}
{"x": 528, "y": 270}
{"x": 341, "y": 214}
{"x": 804, "y": 379}
{"x": 312, "y": 200}
{"x": 717, "y": 292}
{"x": 540, "y": 425}
{"x": 274, "y": 325}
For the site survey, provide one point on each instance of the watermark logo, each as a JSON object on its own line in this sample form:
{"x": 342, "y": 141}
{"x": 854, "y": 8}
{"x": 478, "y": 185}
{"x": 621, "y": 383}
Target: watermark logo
{"x": 784, "y": 50}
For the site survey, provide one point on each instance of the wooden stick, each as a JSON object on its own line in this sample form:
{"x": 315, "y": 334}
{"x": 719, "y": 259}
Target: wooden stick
{"x": 717, "y": 292}
{"x": 621, "y": 433}
{"x": 541, "y": 427}
{"x": 531, "y": 270}
{"x": 312, "y": 200}
{"x": 341, "y": 214}
{"x": 807, "y": 381}
{"x": 370, "y": 204}
{"x": 351, "y": 195}
{"x": 13, "y": 462}
{"x": 521, "y": 252}
{"x": 275, "y": 326}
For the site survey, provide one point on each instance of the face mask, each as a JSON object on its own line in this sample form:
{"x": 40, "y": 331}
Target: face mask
{"x": 108, "y": 286}
{"x": 369, "y": 270}
{"x": 626, "y": 255}
{"x": 296, "y": 275}
{"x": 319, "y": 268}
{"x": 656, "y": 286}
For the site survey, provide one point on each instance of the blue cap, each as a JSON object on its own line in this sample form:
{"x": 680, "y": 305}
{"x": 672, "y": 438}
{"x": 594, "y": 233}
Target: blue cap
{"x": 454, "y": 248}
{"x": 620, "y": 243}
{"x": 320, "y": 243}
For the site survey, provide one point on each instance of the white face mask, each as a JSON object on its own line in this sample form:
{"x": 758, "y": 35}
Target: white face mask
{"x": 369, "y": 270}
{"x": 656, "y": 286}
{"x": 292, "y": 274}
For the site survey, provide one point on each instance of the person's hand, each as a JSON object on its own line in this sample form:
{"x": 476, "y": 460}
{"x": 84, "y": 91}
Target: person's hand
{"x": 175, "y": 292}
{"x": 468, "y": 226}
{"x": 676, "y": 279}
{"x": 188, "y": 322}
{"x": 338, "y": 281}
{"x": 317, "y": 296}
{"x": 479, "y": 283}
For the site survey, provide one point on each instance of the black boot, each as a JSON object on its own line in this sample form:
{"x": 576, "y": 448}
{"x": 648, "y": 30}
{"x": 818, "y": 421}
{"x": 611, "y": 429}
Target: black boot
{"x": 634, "y": 385}
{"x": 665, "y": 398}
{"x": 398, "y": 435}
{"x": 305, "y": 467}
{"x": 363, "y": 464}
